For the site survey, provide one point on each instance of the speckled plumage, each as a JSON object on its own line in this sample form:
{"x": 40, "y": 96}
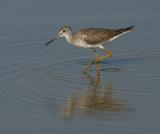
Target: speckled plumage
{"x": 98, "y": 36}
{"x": 91, "y": 37}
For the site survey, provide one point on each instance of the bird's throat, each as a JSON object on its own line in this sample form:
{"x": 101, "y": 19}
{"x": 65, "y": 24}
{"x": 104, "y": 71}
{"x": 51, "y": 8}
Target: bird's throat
{"x": 69, "y": 38}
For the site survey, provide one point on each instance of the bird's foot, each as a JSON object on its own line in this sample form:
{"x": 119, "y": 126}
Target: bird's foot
{"x": 89, "y": 65}
{"x": 98, "y": 59}
{"x": 95, "y": 61}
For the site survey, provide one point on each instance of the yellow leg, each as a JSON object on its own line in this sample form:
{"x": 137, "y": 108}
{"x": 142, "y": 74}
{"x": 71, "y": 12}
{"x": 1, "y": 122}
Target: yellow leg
{"x": 98, "y": 59}
{"x": 97, "y": 56}
{"x": 108, "y": 54}
{"x": 98, "y": 66}
{"x": 95, "y": 61}
{"x": 89, "y": 65}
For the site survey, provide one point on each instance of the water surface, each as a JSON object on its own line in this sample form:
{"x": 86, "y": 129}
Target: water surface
{"x": 45, "y": 90}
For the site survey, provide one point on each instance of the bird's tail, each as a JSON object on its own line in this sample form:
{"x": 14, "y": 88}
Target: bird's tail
{"x": 129, "y": 28}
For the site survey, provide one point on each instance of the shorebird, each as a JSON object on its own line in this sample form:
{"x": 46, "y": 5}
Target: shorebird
{"x": 91, "y": 38}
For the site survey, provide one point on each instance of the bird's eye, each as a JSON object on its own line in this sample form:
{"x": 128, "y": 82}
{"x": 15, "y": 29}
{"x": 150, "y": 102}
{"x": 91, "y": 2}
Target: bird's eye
{"x": 64, "y": 31}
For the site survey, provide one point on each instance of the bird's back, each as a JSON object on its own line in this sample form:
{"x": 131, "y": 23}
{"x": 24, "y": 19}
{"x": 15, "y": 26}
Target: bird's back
{"x": 94, "y": 36}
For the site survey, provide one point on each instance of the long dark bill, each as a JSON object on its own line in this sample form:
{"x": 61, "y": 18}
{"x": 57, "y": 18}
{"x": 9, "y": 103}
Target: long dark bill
{"x": 49, "y": 42}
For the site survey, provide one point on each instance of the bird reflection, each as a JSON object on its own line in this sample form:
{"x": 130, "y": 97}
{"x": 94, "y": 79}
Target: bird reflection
{"x": 95, "y": 101}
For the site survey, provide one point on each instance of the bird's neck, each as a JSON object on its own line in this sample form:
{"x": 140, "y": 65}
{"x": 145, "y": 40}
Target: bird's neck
{"x": 69, "y": 37}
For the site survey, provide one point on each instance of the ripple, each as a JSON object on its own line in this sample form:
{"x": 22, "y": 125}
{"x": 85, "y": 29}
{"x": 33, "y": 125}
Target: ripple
{"x": 56, "y": 83}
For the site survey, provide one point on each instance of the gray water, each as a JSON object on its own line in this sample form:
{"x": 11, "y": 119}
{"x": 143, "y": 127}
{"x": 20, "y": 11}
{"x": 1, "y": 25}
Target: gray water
{"x": 43, "y": 90}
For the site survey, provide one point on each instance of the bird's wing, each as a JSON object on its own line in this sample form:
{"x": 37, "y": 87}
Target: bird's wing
{"x": 99, "y": 35}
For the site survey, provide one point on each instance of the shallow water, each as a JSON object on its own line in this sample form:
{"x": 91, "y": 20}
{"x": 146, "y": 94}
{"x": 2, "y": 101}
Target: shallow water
{"x": 45, "y": 90}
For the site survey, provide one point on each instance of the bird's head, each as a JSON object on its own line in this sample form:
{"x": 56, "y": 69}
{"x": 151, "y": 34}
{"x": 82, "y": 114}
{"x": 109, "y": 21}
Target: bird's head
{"x": 65, "y": 32}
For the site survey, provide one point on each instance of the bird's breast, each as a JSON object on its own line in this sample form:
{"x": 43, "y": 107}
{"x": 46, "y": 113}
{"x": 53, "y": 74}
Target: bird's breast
{"x": 81, "y": 43}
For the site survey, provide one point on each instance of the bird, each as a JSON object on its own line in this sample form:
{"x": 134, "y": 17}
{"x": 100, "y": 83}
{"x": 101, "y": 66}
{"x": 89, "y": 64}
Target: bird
{"x": 92, "y": 38}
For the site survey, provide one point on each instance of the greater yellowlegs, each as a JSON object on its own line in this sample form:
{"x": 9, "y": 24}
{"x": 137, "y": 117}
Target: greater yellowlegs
{"x": 91, "y": 38}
